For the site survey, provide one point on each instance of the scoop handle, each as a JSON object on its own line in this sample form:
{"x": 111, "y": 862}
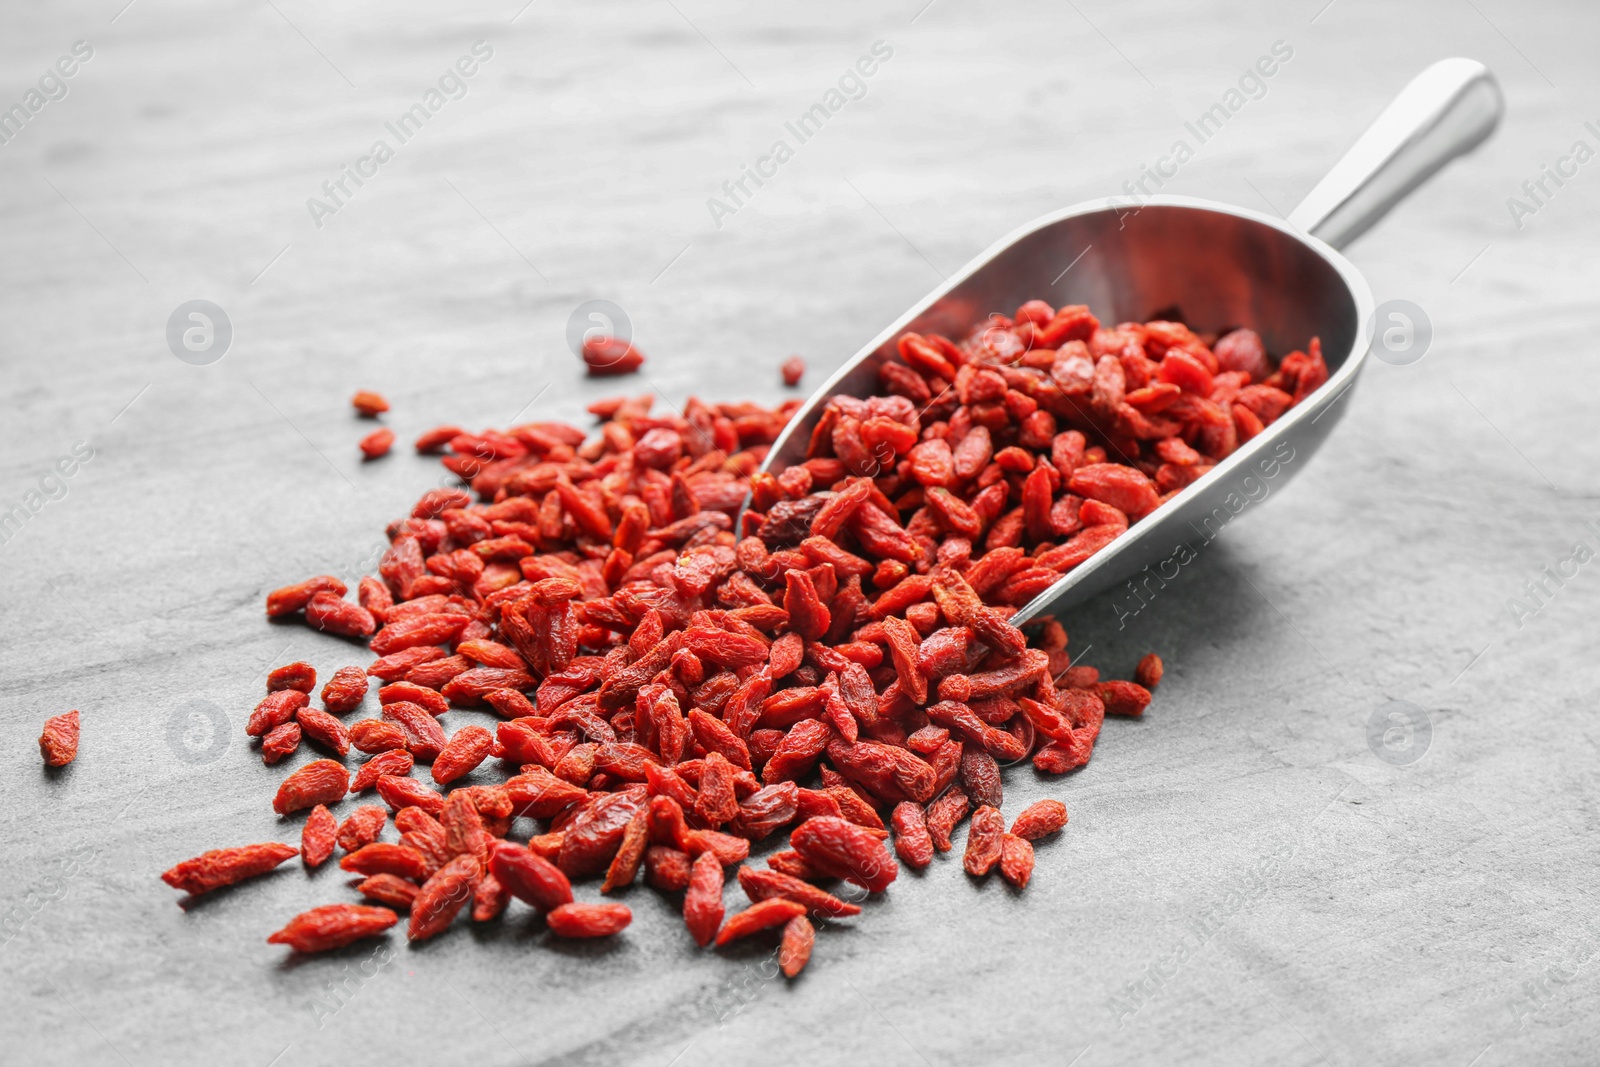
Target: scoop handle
{"x": 1446, "y": 111}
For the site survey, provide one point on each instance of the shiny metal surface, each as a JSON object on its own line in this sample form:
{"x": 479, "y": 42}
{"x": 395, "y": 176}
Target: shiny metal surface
{"x": 1445, "y": 111}
{"x": 1222, "y": 266}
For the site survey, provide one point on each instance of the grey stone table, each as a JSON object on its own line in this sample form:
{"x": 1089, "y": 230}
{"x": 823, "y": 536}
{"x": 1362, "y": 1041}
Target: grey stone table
{"x": 1253, "y": 874}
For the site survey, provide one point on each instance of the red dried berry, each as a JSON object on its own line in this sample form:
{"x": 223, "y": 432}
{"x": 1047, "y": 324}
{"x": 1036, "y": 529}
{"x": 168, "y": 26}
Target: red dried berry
{"x": 317, "y": 836}
{"x": 333, "y": 926}
{"x": 377, "y": 443}
{"x": 281, "y": 742}
{"x": 1016, "y": 860}
{"x": 795, "y": 949}
{"x": 530, "y": 878}
{"x": 382, "y": 857}
{"x": 389, "y": 889}
{"x": 298, "y": 675}
{"x": 361, "y": 828}
{"x": 983, "y": 840}
{"x": 1040, "y": 819}
{"x": 319, "y": 782}
{"x": 345, "y": 691}
{"x": 842, "y": 849}
{"x": 58, "y": 743}
{"x": 324, "y": 729}
{"x": 442, "y": 897}
{"x": 607, "y": 356}
{"x": 400, "y": 792}
{"x": 911, "y": 840}
{"x": 1149, "y": 671}
{"x": 373, "y": 735}
{"x": 589, "y": 920}
{"x": 292, "y": 598}
{"x": 793, "y": 369}
{"x": 225, "y": 866}
{"x": 468, "y": 748}
{"x": 762, "y": 915}
{"x": 702, "y": 904}
{"x": 369, "y": 403}
{"x": 666, "y": 868}
{"x": 759, "y": 885}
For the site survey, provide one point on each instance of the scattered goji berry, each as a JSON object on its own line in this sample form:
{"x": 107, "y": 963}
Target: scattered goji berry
{"x": 702, "y": 904}
{"x": 1040, "y": 819}
{"x": 442, "y": 896}
{"x": 795, "y": 949}
{"x": 317, "y": 836}
{"x": 588, "y": 920}
{"x": 369, "y": 403}
{"x": 319, "y": 782}
{"x": 225, "y": 866}
{"x": 345, "y": 691}
{"x": 762, "y": 915}
{"x": 298, "y": 675}
{"x": 333, "y": 926}
{"x": 59, "y": 741}
{"x": 983, "y": 840}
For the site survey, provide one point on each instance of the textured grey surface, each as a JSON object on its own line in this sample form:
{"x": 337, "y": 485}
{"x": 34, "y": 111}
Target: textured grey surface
{"x": 1243, "y": 880}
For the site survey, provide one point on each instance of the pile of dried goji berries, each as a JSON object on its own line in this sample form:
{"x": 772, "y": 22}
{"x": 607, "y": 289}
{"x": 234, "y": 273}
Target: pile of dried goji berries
{"x": 670, "y": 688}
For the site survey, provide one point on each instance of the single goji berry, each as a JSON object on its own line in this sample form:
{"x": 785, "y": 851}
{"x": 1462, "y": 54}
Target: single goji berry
{"x": 58, "y": 743}
{"x": 321, "y": 781}
{"x": 317, "y": 836}
{"x": 333, "y": 926}
{"x": 702, "y": 904}
{"x": 795, "y": 949}
{"x": 225, "y": 866}
{"x": 762, "y": 915}
{"x": 588, "y": 920}
{"x": 983, "y": 840}
{"x": 369, "y": 403}
{"x": 442, "y": 897}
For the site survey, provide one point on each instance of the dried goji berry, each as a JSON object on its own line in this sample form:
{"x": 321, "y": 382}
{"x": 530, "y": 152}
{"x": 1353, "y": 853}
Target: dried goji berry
{"x": 441, "y": 897}
{"x": 317, "y": 836}
{"x": 324, "y": 729}
{"x": 702, "y": 904}
{"x": 389, "y": 889}
{"x": 762, "y": 915}
{"x": 377, "y": 443}
{"x": 382, "y": 857}
{"x": 983, "y": 840}
{"x": 281, "y": 742}
{"x": 911, "y": 840}
{"x": 321, "y": 781}
{"x": 292, "y": 598}
{"x": 795, "y": 949}
{"x": 793, "y": 369}
{"x": 759, "y": 885}
{"x": 333, "y": 926}
{"x": 1040, "y": 819}
{"x": 298, "y": 675}
{"x": 225, "y": 866}
{"x": 1149, "y": 671}
{"x": 666, "y": 868}
{"x": 361, "y": 827}
{"x": 842, "y": 849}
{"x": 1016, "y": 860}
{"x": 396, "y": 762}
{"x": 589, "y": 920}
{"x": 369, "y": 403}
{"x": 463, "y": 752}
{"x": 58, "y": 743}
{"x": 401, "y": 792}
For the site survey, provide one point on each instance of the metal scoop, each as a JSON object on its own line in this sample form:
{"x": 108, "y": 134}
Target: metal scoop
{"x": 1224, "y": 266}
